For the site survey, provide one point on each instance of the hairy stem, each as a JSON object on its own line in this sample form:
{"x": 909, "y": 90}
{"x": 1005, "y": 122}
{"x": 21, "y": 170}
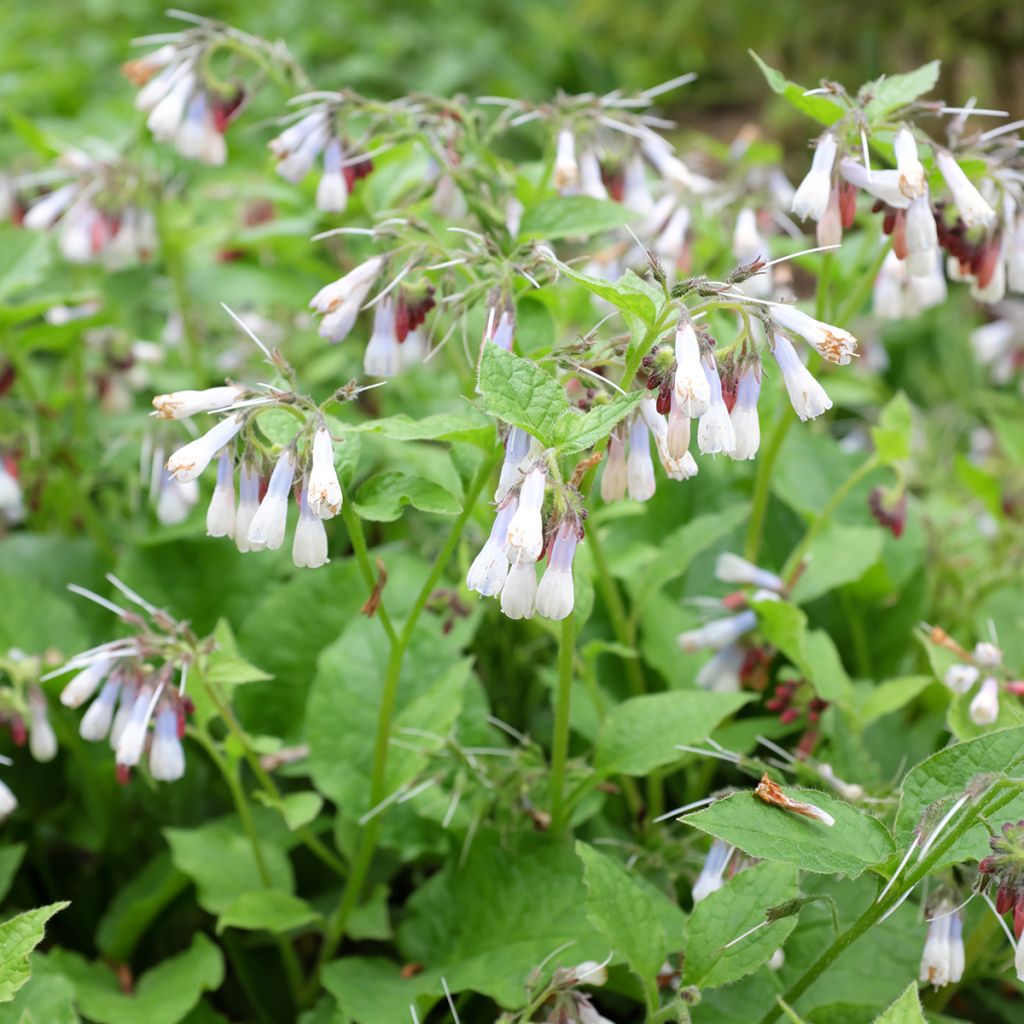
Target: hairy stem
{"x": 560, "y": 741}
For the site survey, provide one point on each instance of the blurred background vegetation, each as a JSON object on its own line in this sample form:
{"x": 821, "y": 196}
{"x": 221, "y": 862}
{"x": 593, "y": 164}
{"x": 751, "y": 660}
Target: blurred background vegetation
{"x": 58, "y": 61}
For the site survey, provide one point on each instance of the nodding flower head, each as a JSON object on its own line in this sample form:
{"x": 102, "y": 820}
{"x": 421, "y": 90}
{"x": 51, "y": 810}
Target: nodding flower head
{"x": 189, "y": 462}
{"x": 831, "y": 343}
{"x": 166, "y": 754}
{"x": 984, "y": 707}
{"x": 715, "y": 431}
{"x": 489, "y": 570}
{"x": 731, "y": 568}
{"x": 943, "y": 959}
{"x": 339, "y": 301}
{"x": 745, "y": 422}
{"x": 267, "y": 528}
{"x": 639, "y": 466}
{"x": 555, "y": 595}
{"x": 220, "y": 516}
{"x": 613, "y": 474}
{"x": 712, "y": 874}
{"x": 525, "y": 539}
{"x": 913, "y": 182}
{"x": 324, "y": 493}
{"x": 519, "y": 593}
{"x": 812, "y": 195}
{"x": 692, "y": 386}
{"x": 309, "y": 545}
{"x": 807, "y": 396}
{"x": 383, "y": 356}
{"x": 180, "y": 405}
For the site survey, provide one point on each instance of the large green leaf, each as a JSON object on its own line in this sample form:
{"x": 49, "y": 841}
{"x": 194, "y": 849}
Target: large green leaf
{"x": 889, "y": 93}
{"x": 343, "y": 707}
{"x": 46, "y": 998}
{"x": 218, "y": 857}
{"x": 518, "y": 391}
{"x": 485, "y": 925}
{"x": 577, "y": 431}
{"x": 34, "y": 620}
{"x": 163, "y": 995}
{"x": 726, "y": 914}
{"x": 10, "y": 860}
{"x": 382, "y": 497}
{"x": 466, "y": 425}
{"x": 624, "y": 913}
{"x": 641, "y": 733}
{"x": 377, "y": 991}
{"x": 906, "y": 1009}
{"x": 837, "y": 556}
{"x": 18, "y": 937}
{"x": 267, "y": 910}
{"x": 632, "y": 294}
{"x": 853, "y": 844}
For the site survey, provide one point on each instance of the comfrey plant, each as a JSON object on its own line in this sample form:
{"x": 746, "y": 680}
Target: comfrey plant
{"x": 559, "y": 306}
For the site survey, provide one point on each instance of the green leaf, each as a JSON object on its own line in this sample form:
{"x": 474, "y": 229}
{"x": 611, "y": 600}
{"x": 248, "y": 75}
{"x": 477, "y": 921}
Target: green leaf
{"x": 267, "y": 910}
{"x": 467, "y": 425}
{"x": 873, "y": 702}
{"x": 25, "y": 258}
{"x": 375, "y": 991}
{"x": 837, "y": 556}
{"x": 729, "y": 912}
{"x": 382, "y": 497}
{"x": 572, "y": 217}
{"x": 945, "y": 775}
{"x": 853, "y": 844}
{"x": 217, "y": 856}
{"x": 641, "y": 733}
{"x": 577, "y": 431}
{"x": 630, "y": 293}
{"x": 906, "y": 1009}
{"x": 889, "y": 93}
{"x": 824, "y": 109}
{"x": 47, "y": 998}
{"x": 34, "y": 619}
{"x": 18, "y": 937}
{"x": 341, "y": 718}
{"x": 814, "y": 653}
{"x": 485, "y": 925}
{"x": 674, "y": 554}
{"x": 136, "y": 905}
{"x": 163, "y": 995}
{"x": 622, "y": 911}
{"x": 892, "y": 435}
{"x": 10, "y": 860}
{"x": 519, "y": 392}
{"x": 225, "y": 666}
{"x": 297, "y": 809}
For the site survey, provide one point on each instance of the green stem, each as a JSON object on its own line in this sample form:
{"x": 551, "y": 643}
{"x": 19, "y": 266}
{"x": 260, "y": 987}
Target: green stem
{"x": 174, "y": 264}
{"x": 385, "y": 715}
{"x": 763, "y": 482}
{"x": 862, "y": 288}
{"x": 824, "y": 280}
{"x": 354, "y": 525}
{"x": 293, "y": 970}
{"x": 992, "y": 801}
{"x": 560, "y": 741}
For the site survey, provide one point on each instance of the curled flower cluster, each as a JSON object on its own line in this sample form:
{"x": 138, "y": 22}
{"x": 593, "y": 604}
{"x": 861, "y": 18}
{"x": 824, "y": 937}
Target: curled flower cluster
{"x": 314, "y": 133}
{"x": 135, "y": 678}
{"x": 305, "y": 466}
{"x": 100, "y": 211}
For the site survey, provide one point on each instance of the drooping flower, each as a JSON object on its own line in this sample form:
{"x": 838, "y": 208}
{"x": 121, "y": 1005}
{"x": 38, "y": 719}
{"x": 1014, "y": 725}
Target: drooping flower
{"x": 812, "y": 195}
{"x": 489, "y": 570}
{"x": 712, "y": 874}
{"x": 179, "y": 405}
{"x": 913, "y": 183}
{"x": 831, "y": 343}
{"x": 614, "y": 473}
{"x": 639, "y": 467}
{"x": 248, "y": 503}
{"x": 382, "y": 357}
{"x": 960, "y": 678}
{"x": 715, "y": 431}
{"x": 85, "y": 683}
{"x": 719, "y": 632}
{"x": 732, "y": 568}
{"x": 267, "y": 528}
{"x": 42, "y": 740}
{"x": 309, "y": 545}
{"x": 189, "y": 462}
{"x": 881, "y": 184}
{"x": 220, "y": 516}
{"x": 984, "y": 707}
{"x": 517, "y": 447}
{"x": 692, "y": 386}
{"x": 567, "y": 171}
{"x": 922, "y": 239}
{"x": 525, "y": 539}
{"x": 166, "y": 754}
{"x": 808, "y": 397}
{"x": 324, "y": 494}
{"x": 555, "y": 594}
{"x": 970, "y": 203}
{"x": 339, "y": 302}
{"x": 519, "y": 593}
{"x": 96, "y": 721}
{"x": 943, "y": 958}
{"x": 745, "y": 422}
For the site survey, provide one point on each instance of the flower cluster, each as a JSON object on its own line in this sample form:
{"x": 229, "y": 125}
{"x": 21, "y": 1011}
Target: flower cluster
{"x": 981, "y": 671}
{"x": 521, "y": 535}
{"x": 305, "y": 465}
{"x": 314, "y": 133}
{"x": 135, "y": 677}
{"x": 100, "y": 210}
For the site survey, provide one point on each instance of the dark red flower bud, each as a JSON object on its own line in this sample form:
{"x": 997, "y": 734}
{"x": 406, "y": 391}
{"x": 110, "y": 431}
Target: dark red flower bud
{"x": 847, "y": 203}
{"x": 1004, "y": 899}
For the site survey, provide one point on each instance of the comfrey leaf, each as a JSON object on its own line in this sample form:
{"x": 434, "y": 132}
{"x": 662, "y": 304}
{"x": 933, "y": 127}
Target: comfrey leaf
{"x": 577, "y": 431}
{"x": 519, "y": 392}
{"x": 824, "y": 109}
{"x": 884, "y": 95}
{"x": 18, "y": 937}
